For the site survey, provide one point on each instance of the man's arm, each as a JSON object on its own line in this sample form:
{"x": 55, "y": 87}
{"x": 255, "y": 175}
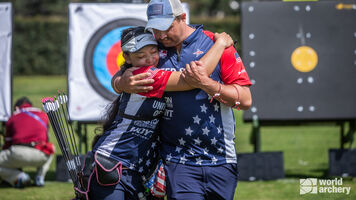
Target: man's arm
{"x": 209, "y": 60}
{"x": 230, "y": 92}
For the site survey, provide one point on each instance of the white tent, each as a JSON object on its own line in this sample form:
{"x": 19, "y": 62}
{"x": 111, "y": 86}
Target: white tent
{"x": 5, "y": 60}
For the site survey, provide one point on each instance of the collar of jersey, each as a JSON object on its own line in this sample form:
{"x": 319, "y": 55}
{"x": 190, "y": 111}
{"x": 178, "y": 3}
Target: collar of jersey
{"x": 193, "y": 37}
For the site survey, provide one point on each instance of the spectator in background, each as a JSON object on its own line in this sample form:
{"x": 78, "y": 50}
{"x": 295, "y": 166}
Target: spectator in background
{"x": 26, "y": 144}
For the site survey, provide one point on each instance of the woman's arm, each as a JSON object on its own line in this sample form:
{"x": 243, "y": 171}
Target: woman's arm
{"x": 209, "y": 61}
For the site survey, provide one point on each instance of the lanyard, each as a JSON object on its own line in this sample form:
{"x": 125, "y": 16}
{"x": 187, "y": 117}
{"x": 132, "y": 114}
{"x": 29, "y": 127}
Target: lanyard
{"x": 34, "y": 117}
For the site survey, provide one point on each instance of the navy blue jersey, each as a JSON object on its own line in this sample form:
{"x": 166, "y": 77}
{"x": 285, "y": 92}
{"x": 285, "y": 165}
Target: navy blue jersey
{"x": 193, "y": 130}
{"x": 132, "y": 138}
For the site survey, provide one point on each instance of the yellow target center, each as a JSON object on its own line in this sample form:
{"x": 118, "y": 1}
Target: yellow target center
{"x": 120, "y": 60}
{"x": 304, "y": 59}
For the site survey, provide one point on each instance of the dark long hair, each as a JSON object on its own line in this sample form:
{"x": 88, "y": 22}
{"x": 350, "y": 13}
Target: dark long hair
{"x": 126, "y": 36}
{"x": 113, "y": 108}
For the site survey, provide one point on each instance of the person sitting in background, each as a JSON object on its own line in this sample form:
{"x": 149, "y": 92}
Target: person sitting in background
{"x": 26, "y": 143}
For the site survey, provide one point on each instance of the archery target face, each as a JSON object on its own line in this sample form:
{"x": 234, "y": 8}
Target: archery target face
{"x": 95, "y": 54}
{"x": 301, "y": 58}
{"x": 103, "y": 56}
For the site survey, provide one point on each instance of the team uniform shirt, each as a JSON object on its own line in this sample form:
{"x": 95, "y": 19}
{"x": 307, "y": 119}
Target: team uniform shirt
{"x": 26, "y": 125}
{"x": 133, "y": 139}
{"x": 193, "y": 130}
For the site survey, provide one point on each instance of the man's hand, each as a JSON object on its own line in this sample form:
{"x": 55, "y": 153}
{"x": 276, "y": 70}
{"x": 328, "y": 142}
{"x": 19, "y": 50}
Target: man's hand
{"x": 130, "y": 83}
{"x": 195, "y": 74}
{"x": 223, "y": 39}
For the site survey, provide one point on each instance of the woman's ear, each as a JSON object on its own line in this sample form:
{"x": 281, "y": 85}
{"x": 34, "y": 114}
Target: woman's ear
{"x": 127, "y": 58}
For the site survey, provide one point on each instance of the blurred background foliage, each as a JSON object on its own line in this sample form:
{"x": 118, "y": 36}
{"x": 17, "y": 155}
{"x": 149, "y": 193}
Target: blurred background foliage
{"x": 40, "y": 30}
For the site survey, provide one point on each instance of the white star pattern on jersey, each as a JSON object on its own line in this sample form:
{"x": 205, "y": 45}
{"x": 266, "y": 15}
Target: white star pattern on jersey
{"x": 178, "y": 149}
{"x": 196, "y": 119}
{"x": 199, "y": 161}
{"x": 203, "y": 108}
{"x": 213, "y": 160}
{"x": 191, "y": 151}
{"x": 181, "y": 141}
{"x": 212, "y": 119}
{"x": 206, "y": 151}
{"x": 153, "y": 144}
{"x": 197, "y": 141}
{"x": 202, "y": 141}
{"x": 213, "y": 141}
{"x": 148, "y": 162}
{"x": 132, "y": 166}
{"x": 183, "y": 160}
{"x": 216, "y": 107}
{"x": 169, "y": 157}
{"x": 140, "y": 170}
{"x": 219, "y": 129}
{"x": 188, "y": 131}
{"x": 206, "y": 131}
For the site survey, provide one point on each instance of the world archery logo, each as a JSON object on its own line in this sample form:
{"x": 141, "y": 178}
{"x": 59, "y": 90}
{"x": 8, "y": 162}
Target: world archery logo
{"x": 103, "y": 55}
{"x": 308, "y": 185}
{"x": 198, "y": 52}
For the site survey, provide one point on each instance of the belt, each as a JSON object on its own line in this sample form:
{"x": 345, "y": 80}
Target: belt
{"x": 31, "y": 144}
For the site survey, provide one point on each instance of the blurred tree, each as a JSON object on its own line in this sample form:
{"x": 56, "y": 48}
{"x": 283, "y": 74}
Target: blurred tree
{"x": 213, "y": 8}
{"x": 41, "y": 29}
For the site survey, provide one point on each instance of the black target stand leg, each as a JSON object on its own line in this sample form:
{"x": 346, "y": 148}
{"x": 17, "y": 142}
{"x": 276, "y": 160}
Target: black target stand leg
{"x": 80, "y": 136}
{"x": 349, "y": 137}
{"x": 256, "y": 135}
{"x": 342, "y": 131}
{"x": 83, "y": 136}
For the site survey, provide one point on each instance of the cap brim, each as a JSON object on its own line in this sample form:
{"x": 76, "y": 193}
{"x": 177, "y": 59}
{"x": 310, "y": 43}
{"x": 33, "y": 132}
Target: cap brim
{"x": 161, "y": 24}
{"x": 145, "y": 43}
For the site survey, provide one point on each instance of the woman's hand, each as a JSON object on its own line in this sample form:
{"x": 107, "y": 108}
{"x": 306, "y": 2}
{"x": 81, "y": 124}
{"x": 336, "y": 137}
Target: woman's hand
{"x": 130, "y": 83}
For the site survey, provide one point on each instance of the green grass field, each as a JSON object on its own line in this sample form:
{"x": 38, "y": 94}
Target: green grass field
{"x": 305, "y": 150}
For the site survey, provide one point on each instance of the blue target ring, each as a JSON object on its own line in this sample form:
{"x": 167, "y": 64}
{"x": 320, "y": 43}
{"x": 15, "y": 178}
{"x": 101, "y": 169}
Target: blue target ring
{"x": 99, "y": 67}
{"x": 100, "y": 56}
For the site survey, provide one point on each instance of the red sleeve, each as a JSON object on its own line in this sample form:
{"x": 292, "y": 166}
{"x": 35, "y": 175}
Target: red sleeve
{"x": 232, "y": 68}
{"x": 160, "y": 78}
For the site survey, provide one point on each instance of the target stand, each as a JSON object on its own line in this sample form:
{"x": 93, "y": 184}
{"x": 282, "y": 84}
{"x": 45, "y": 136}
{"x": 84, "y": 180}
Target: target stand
{"x": 295, "y": 60}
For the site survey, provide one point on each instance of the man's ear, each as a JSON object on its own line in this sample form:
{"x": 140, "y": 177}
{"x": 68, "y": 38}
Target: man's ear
{"x": 183, "y": 17}
{"x": 127, "y": 58}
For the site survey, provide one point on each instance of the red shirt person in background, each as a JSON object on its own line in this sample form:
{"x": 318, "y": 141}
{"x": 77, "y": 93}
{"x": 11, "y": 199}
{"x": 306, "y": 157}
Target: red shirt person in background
{"x": 26, "y": 144}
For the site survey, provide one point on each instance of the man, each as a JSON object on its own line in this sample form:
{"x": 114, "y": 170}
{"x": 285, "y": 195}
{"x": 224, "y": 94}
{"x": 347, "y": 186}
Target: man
{"x": 26, "y": 144}
{"x": 198, "y": 128}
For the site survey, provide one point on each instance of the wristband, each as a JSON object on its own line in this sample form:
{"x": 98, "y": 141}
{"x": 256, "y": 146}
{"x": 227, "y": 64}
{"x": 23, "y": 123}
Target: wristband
{"x": 237, "y": 102}
{"x": 217, "y": 95}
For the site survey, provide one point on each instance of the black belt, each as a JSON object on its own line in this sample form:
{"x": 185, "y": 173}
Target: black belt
{"x": 31, "y": 144}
